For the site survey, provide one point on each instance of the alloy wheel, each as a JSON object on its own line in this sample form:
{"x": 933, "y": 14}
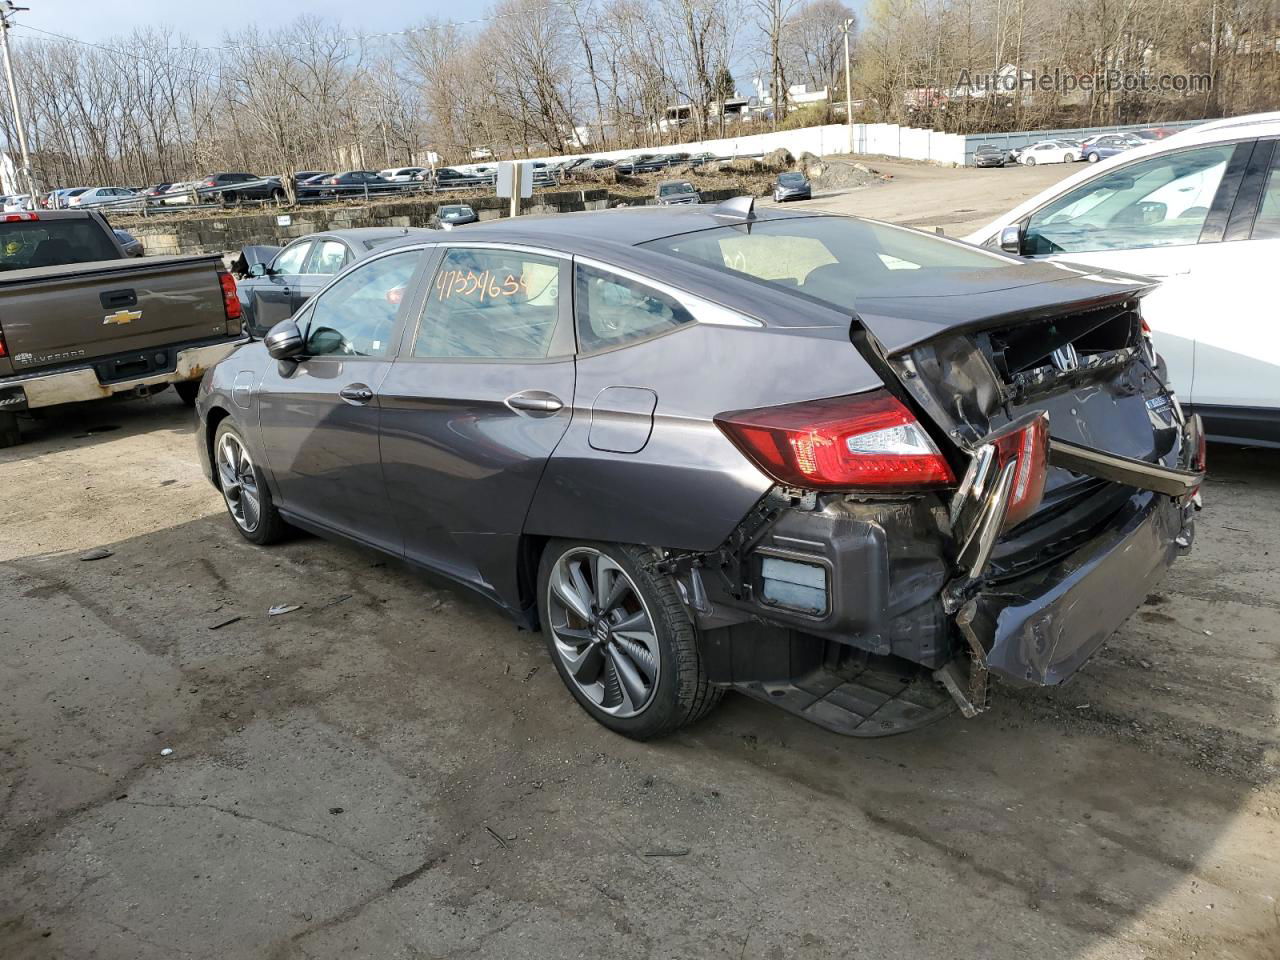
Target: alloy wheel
{"x": 239, "y": 483}
{"x": 603, "y": 632}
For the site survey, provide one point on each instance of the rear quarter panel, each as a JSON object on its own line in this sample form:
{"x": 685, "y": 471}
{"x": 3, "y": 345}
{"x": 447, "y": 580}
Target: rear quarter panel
{"x": 687, "y": 487}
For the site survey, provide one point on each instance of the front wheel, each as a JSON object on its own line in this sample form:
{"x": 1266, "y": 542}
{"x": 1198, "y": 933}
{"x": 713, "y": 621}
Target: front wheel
{"x": 621, "y": 639}
{"x": 187, "y": 390}
{"x": 244, "y": 488}
{"x": 1030, "y": 161}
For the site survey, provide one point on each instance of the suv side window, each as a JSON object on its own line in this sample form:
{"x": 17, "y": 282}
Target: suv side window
{"x": 611, "y": 310}
{"x": 356, "y": 316}
{"x": 1267, "y": 224}
{"x": 1160, "y": 202}
{"x": 490, "y": 304}
{"x": 289, "y": 261}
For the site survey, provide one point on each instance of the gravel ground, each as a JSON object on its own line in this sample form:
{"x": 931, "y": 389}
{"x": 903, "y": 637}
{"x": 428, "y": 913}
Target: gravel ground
{"x": 393, "y": 770}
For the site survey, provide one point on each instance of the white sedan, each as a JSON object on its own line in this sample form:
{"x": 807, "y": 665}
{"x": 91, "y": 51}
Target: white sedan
{"x": 96, "y": 196}
{"x": 1049, "y": 151}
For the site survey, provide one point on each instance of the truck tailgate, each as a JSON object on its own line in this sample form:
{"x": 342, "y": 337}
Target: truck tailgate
{"x": 56, "y": 315}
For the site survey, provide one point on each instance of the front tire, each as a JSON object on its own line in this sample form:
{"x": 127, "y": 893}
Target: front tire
{"x": 187, "y": 390}
{"x": 244, "y": 488}
{"x": 621, "y": 639}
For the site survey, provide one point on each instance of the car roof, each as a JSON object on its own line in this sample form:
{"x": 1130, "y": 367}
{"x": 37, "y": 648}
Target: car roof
{"x": 362, "y": 235}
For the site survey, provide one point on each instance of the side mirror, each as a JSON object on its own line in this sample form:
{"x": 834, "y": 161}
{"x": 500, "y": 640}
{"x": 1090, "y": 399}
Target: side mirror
{"x": 284, "y": 340}
{"x": 257, "y": 269}
{"x": 1011, "y": 239}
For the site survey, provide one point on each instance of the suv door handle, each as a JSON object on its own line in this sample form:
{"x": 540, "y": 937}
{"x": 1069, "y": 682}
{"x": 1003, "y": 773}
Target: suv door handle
{"x": 534, "y": 401}
{"x": 356, "y": 393}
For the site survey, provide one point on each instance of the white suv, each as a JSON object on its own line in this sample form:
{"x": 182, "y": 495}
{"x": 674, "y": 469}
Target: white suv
{"x": 1199, "y": 211}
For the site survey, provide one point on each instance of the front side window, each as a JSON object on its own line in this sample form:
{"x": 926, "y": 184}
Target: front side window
{"x": 490, "y": 304}
{"x": 1160, "y": 202}
{"x": 290, "y": 260}
{"x": 329, "y": 258}
{"x": 356, "y": 316}
{"x": 612, "y": 310}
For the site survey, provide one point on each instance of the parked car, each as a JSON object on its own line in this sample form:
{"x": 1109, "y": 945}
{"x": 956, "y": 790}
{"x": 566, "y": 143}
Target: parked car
{"x": 454, "y": 215}
{"x": 698, "y": 159}
{"x": 1013, "y": 154}
{"x": 353, "y": 183}
{"x": 657, "y": 435}
{"x": 1108, "y": 145}
{"x": 275, "y": 282}
{"x": 129, "y": 244}
{"x": 97, "y": 196}
{"x": 671, "y": 192}
{"x": 81, "y": 321}
{"x": 303, "y": 176}
{"x": 60, "y": 199}
{"x": 234, "y": 187}
{"x": 1048, "y": 151}
{"x": 18, "y": 201}
{"x": 156, "y": 190}
{"x": 1154, "y": 133}
{"x": 988, "y": 155}
{"x": 636, "y": 164}
{"x": 792, "y": 185}
{"x": 1200, "y": 212}
{"x": 400, "y": 174}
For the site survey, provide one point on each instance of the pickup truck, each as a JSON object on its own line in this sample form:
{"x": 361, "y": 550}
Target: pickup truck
{"x": 81, "y": 320}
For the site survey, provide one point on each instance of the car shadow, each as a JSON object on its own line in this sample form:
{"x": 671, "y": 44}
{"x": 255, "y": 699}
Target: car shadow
{"x": 98, "y": 420}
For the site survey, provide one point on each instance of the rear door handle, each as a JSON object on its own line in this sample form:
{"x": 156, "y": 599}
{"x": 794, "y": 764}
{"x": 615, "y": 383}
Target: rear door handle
{"x": 534, "y": 401}
{"x": 356, "y": 393}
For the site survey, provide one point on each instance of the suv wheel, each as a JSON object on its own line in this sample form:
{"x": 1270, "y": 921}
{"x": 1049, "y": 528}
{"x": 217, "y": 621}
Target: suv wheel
{"x": 244, "y": 488}
{"x": 621, "y": 639}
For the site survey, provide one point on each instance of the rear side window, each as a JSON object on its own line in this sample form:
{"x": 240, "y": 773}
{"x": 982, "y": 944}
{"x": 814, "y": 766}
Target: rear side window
{"x": 1267, "y": 224}
{"x": 328, "y": 259}
{"x": 48, "y": 243}
{"x": 490, "y": 304}
{"x": 356, "y": 316}
{"x": 612, "y": 310}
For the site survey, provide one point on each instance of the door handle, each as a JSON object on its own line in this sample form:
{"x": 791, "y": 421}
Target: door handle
{"x": 356, "y": 393}
{"x": 534, "y": 401}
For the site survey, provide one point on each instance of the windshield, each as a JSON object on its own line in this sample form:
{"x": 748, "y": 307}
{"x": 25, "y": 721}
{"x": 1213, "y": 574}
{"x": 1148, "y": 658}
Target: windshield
{"x": 668, "y": 189}
{"x": 790, "y": 178}
{"x": 834, "y": 259}
{"x": 51, "y": 242}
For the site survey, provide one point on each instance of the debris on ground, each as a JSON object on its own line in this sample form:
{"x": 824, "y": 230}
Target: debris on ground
{"x": 224, "y": 623}
{"x": 167, "y": 751}
{"x": 682, "y": 852}
{"x": 280, "y": 609}
{"x": 97, "y": 553}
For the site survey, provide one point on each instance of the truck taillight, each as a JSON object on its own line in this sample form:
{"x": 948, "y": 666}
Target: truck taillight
{"x": 15, "y": 217}
{"x": 4, "y": 350}
{"x": 230, "y": 302}
{"x": 863, "y": 441}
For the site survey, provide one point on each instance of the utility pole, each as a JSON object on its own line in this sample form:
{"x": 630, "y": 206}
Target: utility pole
{"x": 7, "y": 9}
{"x": 515, "y": 187}
{"x": 848, "y": 85}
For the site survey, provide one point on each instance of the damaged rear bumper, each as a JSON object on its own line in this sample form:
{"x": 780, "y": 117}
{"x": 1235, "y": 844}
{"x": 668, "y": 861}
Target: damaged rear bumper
{"x": 1041, "y": 629}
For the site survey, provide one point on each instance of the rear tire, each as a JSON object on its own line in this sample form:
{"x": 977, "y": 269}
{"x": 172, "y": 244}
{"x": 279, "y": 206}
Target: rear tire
{"x": 10, "y": 435}
{"x": 646, "y": 679}
{"x": 1093, "y": 158}
{"x": 1030, "y": 161}
{"x": 1069, "y": 158}
{"x": 244, "y": 488}
{"x": 187, "y": 390}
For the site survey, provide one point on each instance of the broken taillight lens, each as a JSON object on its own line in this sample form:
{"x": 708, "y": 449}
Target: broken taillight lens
{"x": 862, "y": 441}
{"x": 1028, "y": 449}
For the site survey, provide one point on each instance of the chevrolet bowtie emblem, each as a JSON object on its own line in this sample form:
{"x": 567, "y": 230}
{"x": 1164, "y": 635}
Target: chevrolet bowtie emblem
{"x": 123, "y": 316}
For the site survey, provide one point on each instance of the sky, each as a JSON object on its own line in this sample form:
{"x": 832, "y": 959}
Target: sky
{"x": 204, "y": 22}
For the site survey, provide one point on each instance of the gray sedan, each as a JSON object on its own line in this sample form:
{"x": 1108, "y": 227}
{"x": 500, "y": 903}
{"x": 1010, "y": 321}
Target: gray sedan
{"x": 847, "y": 468}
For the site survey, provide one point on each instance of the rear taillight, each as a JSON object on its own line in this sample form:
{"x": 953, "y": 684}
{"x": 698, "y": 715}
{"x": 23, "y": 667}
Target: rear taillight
{"x": 15, "y": 217}
{"x": 1028, "y": 449}
{"x": 230, "y": 302}
{"x": 863, "y": 441}
{"x": 210, "y": 183}
{"x": 4, "y": 350}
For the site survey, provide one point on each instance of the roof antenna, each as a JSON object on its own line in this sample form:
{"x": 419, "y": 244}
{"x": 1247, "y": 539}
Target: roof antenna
{"x": 737, "y": 208}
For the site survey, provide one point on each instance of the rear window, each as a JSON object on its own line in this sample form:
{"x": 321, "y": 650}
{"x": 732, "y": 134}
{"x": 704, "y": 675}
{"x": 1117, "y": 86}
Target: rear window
{"x": 47, "y": 243}
{"x": 833, "y": 259}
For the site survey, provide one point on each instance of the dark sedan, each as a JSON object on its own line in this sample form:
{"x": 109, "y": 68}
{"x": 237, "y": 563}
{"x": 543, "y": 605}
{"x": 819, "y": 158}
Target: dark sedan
{"x": 234, "y": 187}
{"x": 274, "y": 283}
{"x": 454, "y": 215}
{"x": 792, "y": 186}
{"x": 352, "y": 183}
{"x": 988, "y": 155}
{"x": 844, "y": 467}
